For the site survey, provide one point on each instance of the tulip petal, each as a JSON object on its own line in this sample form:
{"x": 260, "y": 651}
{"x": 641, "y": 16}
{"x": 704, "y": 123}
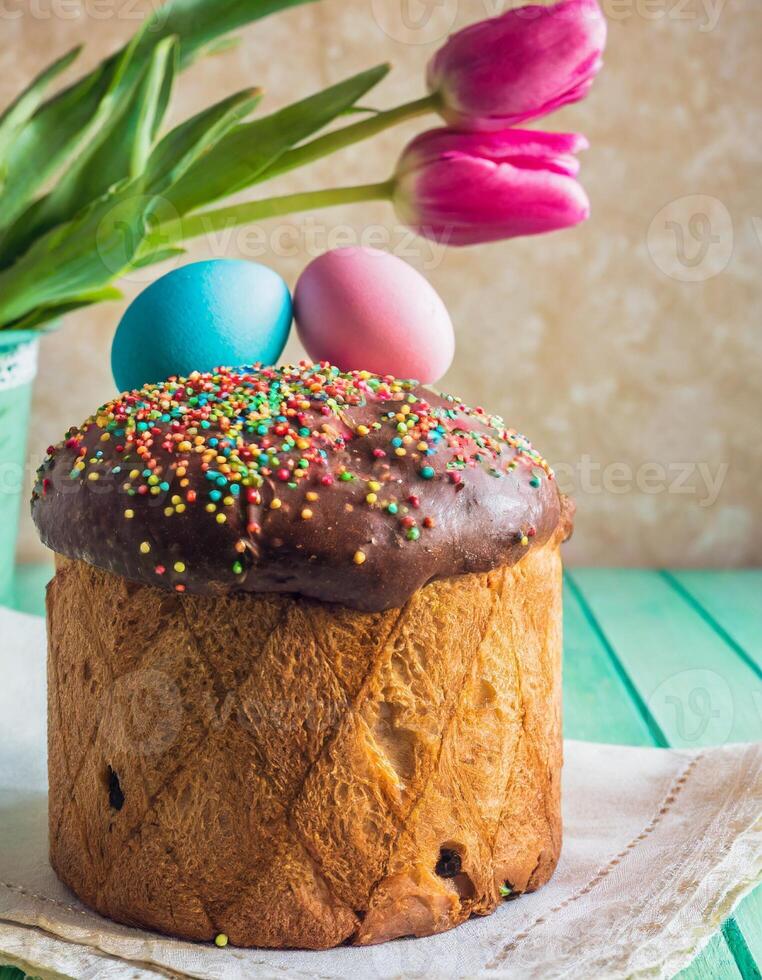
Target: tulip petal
{"x": 465, "y": 188}
{"x": 520, "y": 65}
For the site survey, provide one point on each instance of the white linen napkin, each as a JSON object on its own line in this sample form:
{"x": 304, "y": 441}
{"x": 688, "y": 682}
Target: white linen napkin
{"x": 660, "y": 845}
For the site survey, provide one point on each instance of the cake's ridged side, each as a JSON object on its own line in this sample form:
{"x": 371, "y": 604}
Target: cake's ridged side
{"x": 287, "y": 772}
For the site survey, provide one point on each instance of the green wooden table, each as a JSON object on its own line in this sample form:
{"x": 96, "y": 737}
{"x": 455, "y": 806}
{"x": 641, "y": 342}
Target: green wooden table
{"x": 651, "y": 658}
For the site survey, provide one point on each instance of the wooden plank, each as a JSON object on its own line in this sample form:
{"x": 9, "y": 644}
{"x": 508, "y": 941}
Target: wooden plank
{"x": 731, "y": 601}
{"x": 597, "y": 705}
{"x": 747, "y": 947}
{"x": 700, "y": 692}
{"x": 693, "y": 683}
{"x": 29, "y": 587}
{"x": 714, "y": 962}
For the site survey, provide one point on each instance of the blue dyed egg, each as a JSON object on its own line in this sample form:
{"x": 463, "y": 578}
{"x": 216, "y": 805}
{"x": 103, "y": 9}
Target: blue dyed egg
{"x": 222, "y": 312}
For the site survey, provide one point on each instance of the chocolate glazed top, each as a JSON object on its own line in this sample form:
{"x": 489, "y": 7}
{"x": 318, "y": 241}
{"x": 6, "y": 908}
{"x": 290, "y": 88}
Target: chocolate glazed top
{"x": 349, "y": 488}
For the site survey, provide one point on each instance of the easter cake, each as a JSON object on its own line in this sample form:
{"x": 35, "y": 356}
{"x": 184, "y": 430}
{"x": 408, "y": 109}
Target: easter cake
{"x": 304, "y": 658}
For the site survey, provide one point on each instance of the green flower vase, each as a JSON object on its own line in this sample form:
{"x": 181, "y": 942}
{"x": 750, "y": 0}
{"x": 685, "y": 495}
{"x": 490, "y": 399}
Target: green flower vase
{"x": 18, "y": 367}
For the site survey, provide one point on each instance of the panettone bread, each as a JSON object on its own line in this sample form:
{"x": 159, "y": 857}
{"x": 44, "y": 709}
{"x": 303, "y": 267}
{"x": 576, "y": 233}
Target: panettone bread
{"x": 332, "y": 715}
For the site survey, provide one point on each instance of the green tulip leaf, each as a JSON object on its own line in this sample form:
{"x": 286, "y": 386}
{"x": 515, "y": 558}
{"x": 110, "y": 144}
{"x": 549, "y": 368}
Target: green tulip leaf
{"x": 45, "y": 314}
{"x": 221, "y": 46}
{"x": 124, "y": 192}
{"x": 13, "y": 119}
{"x": 239, "y": 160}
{"x": 101, "y": 242}
{"x": 145, "y": 113}
{"x": 361, "y": 110}
{"x": 20, "y": 183}
{"x": 196, "y": 138}
{"x": 81, "y": 256}
{"x": 120, "y": 148}
{"x": 160, "y": 255}
{"x": 60, "y": 126}
{"x": 200, "y": 22}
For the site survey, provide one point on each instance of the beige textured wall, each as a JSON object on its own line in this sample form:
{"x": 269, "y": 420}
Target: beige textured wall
{"x": 629, "y": 350}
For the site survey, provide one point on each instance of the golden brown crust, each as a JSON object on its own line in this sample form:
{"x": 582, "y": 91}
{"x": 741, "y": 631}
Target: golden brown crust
{"x": 289, "y": 772}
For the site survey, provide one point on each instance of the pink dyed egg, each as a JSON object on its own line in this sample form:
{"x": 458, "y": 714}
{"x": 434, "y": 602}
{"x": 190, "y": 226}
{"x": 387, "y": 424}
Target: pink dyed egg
{"x": 364, "y": 309}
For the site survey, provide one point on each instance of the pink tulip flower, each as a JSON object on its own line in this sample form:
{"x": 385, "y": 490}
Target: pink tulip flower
{"x": 464, "y": 188}
{"x": 520, "y": 65}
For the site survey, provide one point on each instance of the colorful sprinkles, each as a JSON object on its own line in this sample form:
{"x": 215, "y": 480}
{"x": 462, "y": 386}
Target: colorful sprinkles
{"x": 260, "y": 439}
